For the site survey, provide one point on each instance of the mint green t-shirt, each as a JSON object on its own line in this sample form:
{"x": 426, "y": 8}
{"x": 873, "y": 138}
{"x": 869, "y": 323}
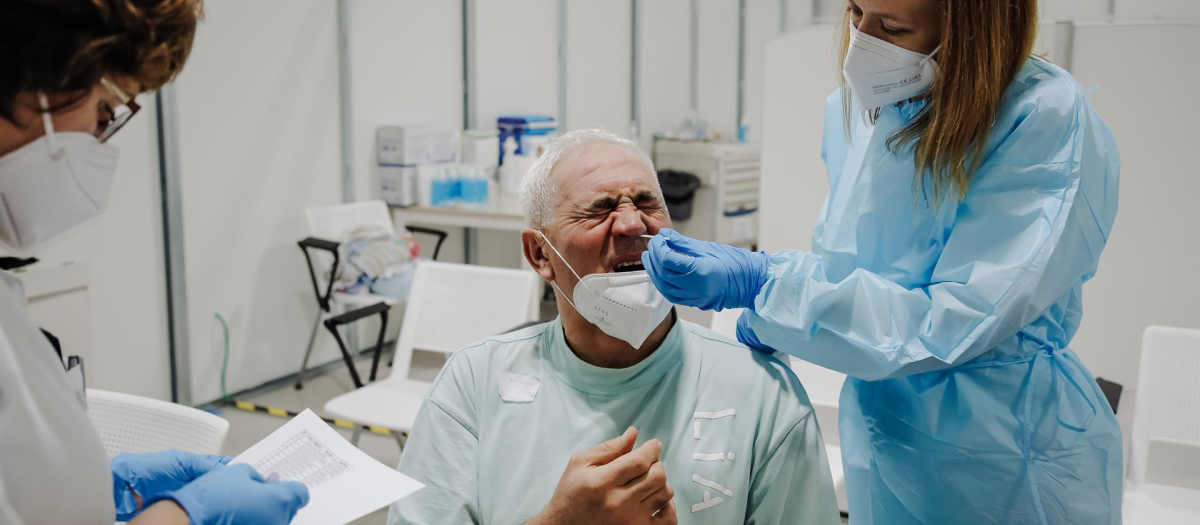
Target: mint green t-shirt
{"x": 740, "y": 441}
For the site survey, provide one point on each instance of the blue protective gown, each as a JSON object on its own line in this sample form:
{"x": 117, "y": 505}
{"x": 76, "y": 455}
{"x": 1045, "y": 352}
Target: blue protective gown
{"x": 965, "y": 404}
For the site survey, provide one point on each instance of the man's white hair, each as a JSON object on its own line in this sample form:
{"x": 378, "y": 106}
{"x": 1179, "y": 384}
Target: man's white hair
{"x": 539, "y": 192}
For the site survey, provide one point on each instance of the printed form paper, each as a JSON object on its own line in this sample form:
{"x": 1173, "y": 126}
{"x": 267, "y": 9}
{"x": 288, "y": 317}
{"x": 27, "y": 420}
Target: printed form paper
{"x": 344, "y": 483}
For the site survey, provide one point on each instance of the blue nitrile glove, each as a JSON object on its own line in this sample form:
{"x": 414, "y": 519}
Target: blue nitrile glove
{"x": 706, "y": 275}
{"x": 745, "y": 335}
{"x": 155, "y": 474}
{"x": 237, "y": 495}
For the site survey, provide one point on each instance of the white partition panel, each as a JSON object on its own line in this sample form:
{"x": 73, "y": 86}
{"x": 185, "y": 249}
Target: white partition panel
{"x": 797, "y": 80}
{"x": 1047, "y": 37}
{"x": 406, "y": 66}
{"x": 828, "y": 10}
{"x": 663, "y": 65}
{"x": 717, "y": 76}
{"x": 598, "y": 72}
{"x": 259, "y": 143}
{"x": 762, "y": 24}
{"x": 1172, "y": 10}
{"x": 798, "y": 13}
{"x": 1150, "y": 271}
{"x": 127, "y": 297}
{"x": 1074, "y": 10}
{"x": 516, "y": 59}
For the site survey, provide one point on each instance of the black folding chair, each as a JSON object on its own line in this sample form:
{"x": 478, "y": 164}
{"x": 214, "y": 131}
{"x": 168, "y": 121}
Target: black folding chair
{"x": 335, "y": 309}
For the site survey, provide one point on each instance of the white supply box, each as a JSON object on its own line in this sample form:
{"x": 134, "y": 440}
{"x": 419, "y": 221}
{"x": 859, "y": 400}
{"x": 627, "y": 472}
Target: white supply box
{"x": 399, "y": 150}
{"x": 398, "y": 185}
{"x": 415, "y": 144}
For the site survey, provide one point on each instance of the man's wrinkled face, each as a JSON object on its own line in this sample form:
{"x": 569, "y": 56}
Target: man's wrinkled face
{"x": 608, "y": 200}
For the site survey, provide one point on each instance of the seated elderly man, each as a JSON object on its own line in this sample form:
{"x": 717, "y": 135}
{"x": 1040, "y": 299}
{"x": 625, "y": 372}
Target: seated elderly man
{"x": 519, "y": 428}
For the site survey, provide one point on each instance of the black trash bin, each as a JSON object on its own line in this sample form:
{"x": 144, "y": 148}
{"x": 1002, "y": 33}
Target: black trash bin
{"x": 679, "y": 190}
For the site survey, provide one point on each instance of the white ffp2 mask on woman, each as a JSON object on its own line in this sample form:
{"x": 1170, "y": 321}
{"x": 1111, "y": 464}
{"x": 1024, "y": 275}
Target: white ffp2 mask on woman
{"x": 881, "y": 73}
{"x": 53, "y": 187}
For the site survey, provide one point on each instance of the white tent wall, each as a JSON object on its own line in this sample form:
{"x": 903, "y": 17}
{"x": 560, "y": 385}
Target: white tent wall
{"x": 1150, "y": 271}
{"x": 1169, "y": 10}
{"x": 762, "y": 24}
{"x": 259, "y": 142}
{"x": 664, "y": 68}
{"x": 1074, "y": 9}
{"x": 598, "y": 72}
{"x": 516, "y": 59}
{"x": 717, "y": 64}
{"x": 405, "y": 67}
{"x": 794, "y": 184}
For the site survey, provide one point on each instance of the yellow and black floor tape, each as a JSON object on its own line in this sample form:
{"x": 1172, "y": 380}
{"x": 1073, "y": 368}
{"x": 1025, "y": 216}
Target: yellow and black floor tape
{"x": 251, "y": 407}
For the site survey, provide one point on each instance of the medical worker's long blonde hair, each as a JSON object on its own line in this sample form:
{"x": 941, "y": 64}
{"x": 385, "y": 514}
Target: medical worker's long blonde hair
{"x": 984, "y": 43}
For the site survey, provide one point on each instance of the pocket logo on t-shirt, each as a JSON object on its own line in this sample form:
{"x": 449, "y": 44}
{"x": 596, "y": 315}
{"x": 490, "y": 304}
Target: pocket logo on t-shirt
{"x": 516, "y": 388}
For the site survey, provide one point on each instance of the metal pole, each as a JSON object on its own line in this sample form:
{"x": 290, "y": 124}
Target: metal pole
{"x": 169, "y": 169}
{"x": 783, "y": 16}
{"x": 694, "y": 74}
{"x": 562, "y": 65}
{"x": 1064, "y": 44}
{"x": 345, "y": 100}
{"x": 635, "y": 133}
{"x": 346, "y": 121}
{"x": 741, "y": 65}
{"x": 468, "y": 61}
{"x": 470, "y": 236}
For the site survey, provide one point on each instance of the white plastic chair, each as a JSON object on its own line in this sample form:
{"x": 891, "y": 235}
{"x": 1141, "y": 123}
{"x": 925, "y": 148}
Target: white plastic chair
{"x": 824, "y": 388}
{"x": 450, "y": 306}
{"x": 128, "y": 423}
{"x": 327, "y": 227}
{"x": 1163, "y": 484}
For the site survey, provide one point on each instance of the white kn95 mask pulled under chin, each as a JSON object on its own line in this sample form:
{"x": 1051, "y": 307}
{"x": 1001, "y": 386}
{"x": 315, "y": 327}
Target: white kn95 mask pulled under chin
{"x": 624, "y": 305}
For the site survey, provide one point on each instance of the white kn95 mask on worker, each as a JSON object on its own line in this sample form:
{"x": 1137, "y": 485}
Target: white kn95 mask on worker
{"x": 624, "y": 305}
{"x": 52, "y": 187}
{"x": 880, "y": 73}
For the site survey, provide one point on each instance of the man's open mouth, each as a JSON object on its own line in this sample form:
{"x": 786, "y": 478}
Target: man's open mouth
{"x": 631, "y": 266}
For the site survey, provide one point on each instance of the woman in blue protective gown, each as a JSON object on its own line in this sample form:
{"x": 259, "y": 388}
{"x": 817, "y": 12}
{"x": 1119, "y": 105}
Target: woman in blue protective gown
{"x": 972, "y": 189}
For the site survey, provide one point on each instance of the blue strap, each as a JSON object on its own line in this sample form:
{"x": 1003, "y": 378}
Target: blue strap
{"x": 1060, "y": 363}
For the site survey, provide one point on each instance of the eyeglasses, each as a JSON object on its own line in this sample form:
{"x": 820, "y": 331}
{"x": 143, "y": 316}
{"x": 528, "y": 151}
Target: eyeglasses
{"x": 117, "y": 117}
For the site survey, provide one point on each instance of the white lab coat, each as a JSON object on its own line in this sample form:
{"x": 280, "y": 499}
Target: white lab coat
{"x": 53, "y": 468}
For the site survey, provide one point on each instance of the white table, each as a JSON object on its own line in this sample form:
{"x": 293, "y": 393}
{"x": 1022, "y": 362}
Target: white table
{"x": 503, "y": 212}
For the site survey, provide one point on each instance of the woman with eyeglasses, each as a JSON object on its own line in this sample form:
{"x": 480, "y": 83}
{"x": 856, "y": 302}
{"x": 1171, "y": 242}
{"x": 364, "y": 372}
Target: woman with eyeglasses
{"x": 70, "y": 71}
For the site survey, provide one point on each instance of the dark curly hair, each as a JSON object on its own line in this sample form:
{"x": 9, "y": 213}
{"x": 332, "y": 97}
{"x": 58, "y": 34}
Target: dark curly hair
{"x": 65, "y": 46}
